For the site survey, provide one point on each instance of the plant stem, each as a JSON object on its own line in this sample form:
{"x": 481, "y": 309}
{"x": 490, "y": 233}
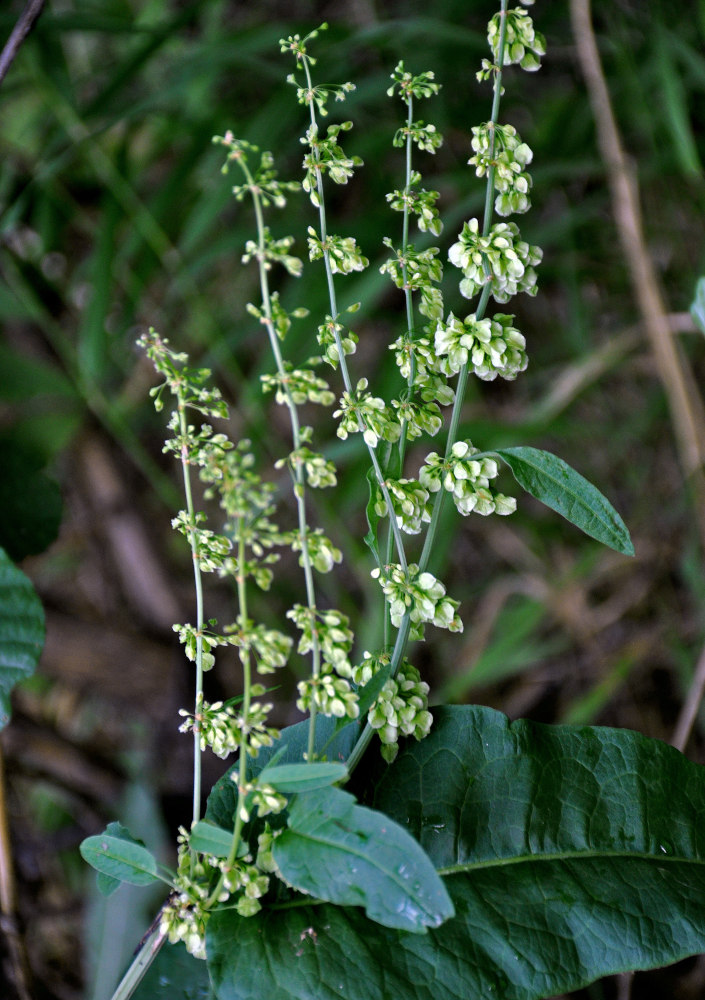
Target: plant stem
{"x": 298, "y": 469}
{"x": 185, "y": 465}
{"x": 484, "y": 297}
{"x": 245, "y": 711}
{"x": 148, "y": 950}
{"x": 379, "y": 475}
{"x": 410, "y": 331}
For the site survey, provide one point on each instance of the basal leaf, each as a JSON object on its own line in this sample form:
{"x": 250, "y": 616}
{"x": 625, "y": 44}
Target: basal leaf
{"x": 569, "y": 854}
{"x": 556, "y": 484}
{"x": 121, "y": 859}
{"x": 353, "y": 856}
{"x": 303, "y": 777}
{"x": 21, "y": 631}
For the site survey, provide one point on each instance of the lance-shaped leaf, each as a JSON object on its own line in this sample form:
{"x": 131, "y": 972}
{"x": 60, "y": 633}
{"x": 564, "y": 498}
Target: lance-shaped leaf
{"x": 291, "y": 778}
{"x": 570, "y": 853}
{"x": 353, "y": 856}
{"x": 556, "y": 484}
{"x": 21, "y": 631}
{"x": 117, "y": 855}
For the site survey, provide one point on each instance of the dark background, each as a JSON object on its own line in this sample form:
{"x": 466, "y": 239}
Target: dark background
{"x": 114, "y": 216}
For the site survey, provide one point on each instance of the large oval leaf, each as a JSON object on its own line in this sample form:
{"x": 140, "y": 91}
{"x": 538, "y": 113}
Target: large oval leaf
{"x": 353, "y": 856}
{"x": 555, "y": 483}
{"x": 569, "y": 853}
{"x": 21, "y": 631}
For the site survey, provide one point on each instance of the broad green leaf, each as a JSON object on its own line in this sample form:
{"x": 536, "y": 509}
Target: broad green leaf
{"x": 21, "y": 631}
{"x": 554, "y": 483}
{"x": 353, "y": 856}
{"x": 569, "y": 853}
{"x": 121, "y": 859}
{"x": 211, "y": 839}
{"x": 697, "y": 306}
{"x": 303, "y": 777}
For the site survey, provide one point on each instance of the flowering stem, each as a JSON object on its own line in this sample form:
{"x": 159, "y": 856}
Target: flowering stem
{"x": 298, "y": 470}
{"x": 379, "y": 474}
{"x": 410, "y": 328}
{"x": 245, "y": 712}
{"x": 363, "y": 741}
{"x": 199, "y": 616}
{"x": 484, "y": 297}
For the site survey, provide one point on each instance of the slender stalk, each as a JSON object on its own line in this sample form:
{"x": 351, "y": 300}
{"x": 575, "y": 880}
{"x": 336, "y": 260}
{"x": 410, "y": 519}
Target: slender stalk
{"x": 298, "y": 470}
{"x": 410, "y": 330}
{"x": 484, "y": 297}
{"x": 245, "y": 711}
{"x": 199, "y": 618}
{"x": 403, "y": 633}
{"x": 148, "y": 950}
{"x": 379, "y": 474}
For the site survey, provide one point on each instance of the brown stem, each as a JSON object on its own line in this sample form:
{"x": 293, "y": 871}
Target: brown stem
{"x": 15, "y": 959}
{"x": 684, "y": 401}
{"x": 685, "y": 404}
{"x": 24, "y": 25}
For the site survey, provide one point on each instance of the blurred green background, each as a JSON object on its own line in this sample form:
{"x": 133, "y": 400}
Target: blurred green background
{"x": 114, "y": 216}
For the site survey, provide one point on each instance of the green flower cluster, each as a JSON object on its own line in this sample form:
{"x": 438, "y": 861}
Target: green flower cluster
{"x": 401, "y": 710}
{"x": 301, "y": 385}
{"x": 186, "y": 914}
{"x": 264, "y": 179}
{"x": 270, "y": 647}
{"x": 411, "y": 507}
{"x": 420, "y": 418}
{"x": 247, "y": 502}
{"x": 501, "y": 257}
{"x": 419, "y": 202}
{"x": 210, "y": 548}
{"x": 327, "y": 156}
{"x": 368, "y": 414}
{"x": 319, "y": 471}
{"x": 491, "y": 347}
{"x": 280, "y": 317}
{"x": 420, "y": 595}
{"x": 523, "y": 44}
{"x": 330, "y": 690}
{"x": 330, "y": 694}
{"x": 222, "y": 729}
{"x": 467, "y": 479}
{"x": 407, "y": 85}
{"x": 187, "y": 384}
{"x": 322, "y": 552}
{"x": 499, "y": 147}
{"x": 333, "y": 634}
{"x": 273, "y": 252}
{"x": 418, "y": 271}
{"x": 330, "y": 334}
{"x": 343, "y": 252}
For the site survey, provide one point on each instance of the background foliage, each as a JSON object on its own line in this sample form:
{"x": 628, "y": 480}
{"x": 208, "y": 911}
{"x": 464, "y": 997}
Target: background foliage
{"x": 114, "y": 216}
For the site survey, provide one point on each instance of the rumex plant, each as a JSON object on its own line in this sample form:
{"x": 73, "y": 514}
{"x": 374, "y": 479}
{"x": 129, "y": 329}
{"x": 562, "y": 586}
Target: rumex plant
{"x": 379, "y": 848}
